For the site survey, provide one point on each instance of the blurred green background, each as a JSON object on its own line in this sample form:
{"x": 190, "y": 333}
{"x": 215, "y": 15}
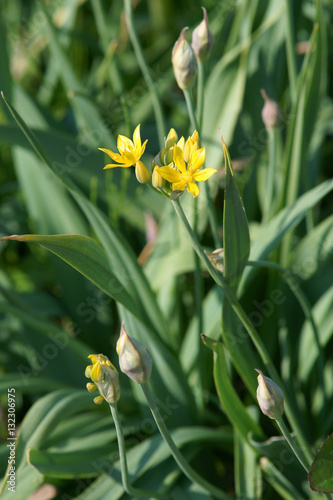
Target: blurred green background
{"x": 69, "y": 69}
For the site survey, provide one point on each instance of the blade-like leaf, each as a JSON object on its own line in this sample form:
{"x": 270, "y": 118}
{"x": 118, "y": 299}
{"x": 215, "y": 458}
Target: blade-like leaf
{"x": 121, "y": 258}
{"x": 87, "y": 257}
{"x": 272, "y": 233}
{"x": 321, "y": 471}
{"x": 230, "y": 401}
{"x": 236, "y": 237}
{"x": 42, "y": 417}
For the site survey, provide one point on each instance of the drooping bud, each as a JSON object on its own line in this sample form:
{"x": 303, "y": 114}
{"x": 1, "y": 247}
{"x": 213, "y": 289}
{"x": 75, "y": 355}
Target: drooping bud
{"x": 202, "y": 39}
{"x": 270, "y": 397}
{"x": 217, "y": 259}
{"x": 134, "y": 359}
{"x": 184, "y": 62}
{"x": 142, "y": 173}
{"x": 271, "y": 113}
{"x": 105, "y": 378}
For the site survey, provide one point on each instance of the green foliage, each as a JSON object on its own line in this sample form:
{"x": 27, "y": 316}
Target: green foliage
{"x": 91, "y": 247}
{"x": 320, "y": 478}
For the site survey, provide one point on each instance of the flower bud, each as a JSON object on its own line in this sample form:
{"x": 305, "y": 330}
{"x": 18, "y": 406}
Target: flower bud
{"x": 270, "y": 397}
{"x": 142, "y": 173}
{"x": 134, "y": 358}
{"x": 157, "y": 180}
{"x": 184, "y": 62}
{"x": 271, "y": 113}
{"x": 171, "y": 139}
{"x": 105, "y": 378}
{"x": 202, "y": 39}
{"x": 217, "y": 259}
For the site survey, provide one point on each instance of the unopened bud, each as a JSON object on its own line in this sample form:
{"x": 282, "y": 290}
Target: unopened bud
{"x": 142, "y": 173}
{"x": 202, "y": 39}
{"x": 157, "y": 180}
{"x": 105, "y": 378}
{"x": 270, "y": 397}
{"x": 184, "y": 62}
{"x": 134, "y": 359}
{"x": 271, "y": 113}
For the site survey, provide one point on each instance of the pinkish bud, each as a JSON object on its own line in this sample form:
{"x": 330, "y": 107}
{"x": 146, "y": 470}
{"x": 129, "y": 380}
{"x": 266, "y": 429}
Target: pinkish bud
{"x": 184, "y": 62}
{"x": 270, "y": 397}
{"x": 271, "y": 113}
{"x": 202, "y": 39}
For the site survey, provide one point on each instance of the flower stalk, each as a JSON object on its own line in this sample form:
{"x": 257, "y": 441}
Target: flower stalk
{"x": 177, "y": 455}
{"x": 297, "y": 452}
{"x": 254, "y": 335}
{"x": 158, "y": 111}
{"x": 137, "y": 493}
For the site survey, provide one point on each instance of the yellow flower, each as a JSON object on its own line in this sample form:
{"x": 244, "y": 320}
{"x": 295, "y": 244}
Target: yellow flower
{"x": 105, "y": 378}
{"x": 129, "y": 154}
{"x": 188, "y": 158}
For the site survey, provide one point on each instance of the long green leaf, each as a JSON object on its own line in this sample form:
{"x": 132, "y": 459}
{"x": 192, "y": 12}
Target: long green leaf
{"x": 230, "y": 401}
{"x": 42, "y": 417}
{"x": 236, "y": 236}
{"x": 271, "y": 234}
{"x": 87, "y": 257}
{"x": 146, "y": 455}
{"x": 120, "y": 256}
{"x": 321, "y": 471}
{"x": 279, "y": 482}
{"x": 248, "y": 483}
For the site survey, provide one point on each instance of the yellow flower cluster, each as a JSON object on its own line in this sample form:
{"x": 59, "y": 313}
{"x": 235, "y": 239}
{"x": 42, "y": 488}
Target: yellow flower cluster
{"x": 179, "y": 162}
{"x": 183, "y": 161}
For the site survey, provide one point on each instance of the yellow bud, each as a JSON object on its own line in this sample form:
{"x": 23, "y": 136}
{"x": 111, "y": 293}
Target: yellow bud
{"x": 142, "y": 173}
{"x": 157, "y": 180}
{"x": 181, "y": 143}
{"x": 195, "y": 138}
{"x": 105, "y": 378}
{"x": 184, "y": 62}
{"x": 191, "y": 145}
{"x": 91, "y": 387}
{"x": 98, "y": 400}
{"x": 202, "y": 39}
{"x": 171, "y": 139}
{"x": 270, "y": 397}
{"x": 134, "y": 358}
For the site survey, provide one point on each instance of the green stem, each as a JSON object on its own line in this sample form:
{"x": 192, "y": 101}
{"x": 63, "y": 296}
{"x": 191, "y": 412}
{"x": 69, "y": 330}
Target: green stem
{"x": 123, "y": 461}
{"x": 198, "y": 299}
{"x": 191, "y": 109}
{"x": 177, "y": 455}
{"x": 211, "y": 211}
{"x": 159, "y": 116}
{"x": 306, "y": 308}
{"x": 201, "y": 86}
{"x": 254, "y": 335}
{"x": 292, "y": 444}
{"x": 272, "y": 168}
{"x": 290, "y": 47}
{"x": 104, "y": 36}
